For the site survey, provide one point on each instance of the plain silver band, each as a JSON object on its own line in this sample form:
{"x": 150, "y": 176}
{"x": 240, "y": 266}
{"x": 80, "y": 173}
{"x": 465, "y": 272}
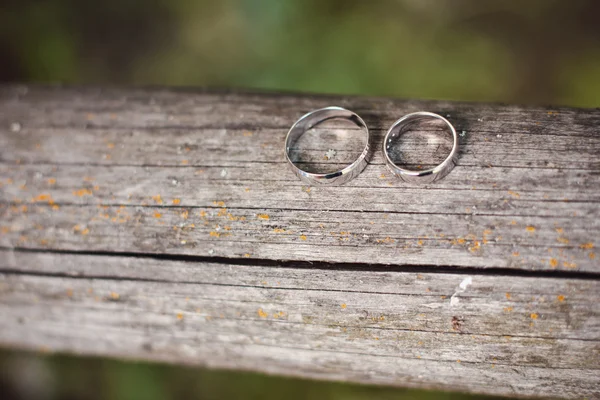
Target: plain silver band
{"x": 307, "y": 122}
{"x": 425, "y": 176}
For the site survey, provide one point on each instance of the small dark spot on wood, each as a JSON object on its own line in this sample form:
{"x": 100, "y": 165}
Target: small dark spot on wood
{"x": 457, "y": 323}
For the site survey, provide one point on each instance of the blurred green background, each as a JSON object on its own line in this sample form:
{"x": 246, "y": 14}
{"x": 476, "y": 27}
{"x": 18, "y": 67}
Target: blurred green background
{"x": 528, "y": 51}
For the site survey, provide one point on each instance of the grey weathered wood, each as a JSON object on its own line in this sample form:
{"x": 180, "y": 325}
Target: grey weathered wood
{"x": 502, "y": 335}
{"x": 150, "y": 224}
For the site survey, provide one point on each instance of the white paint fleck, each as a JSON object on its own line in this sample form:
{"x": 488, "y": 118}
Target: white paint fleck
{"x": 223, "y": 173}
{"x": 498, "y": 136}
{"x": 183, "y": 242}
{"x": 211, "y": 251}
{"x": 330, "y": 154}
{"x": 15, "y": 127}
{"x": 462, "y": 287}
{"x": 463, "y": 133}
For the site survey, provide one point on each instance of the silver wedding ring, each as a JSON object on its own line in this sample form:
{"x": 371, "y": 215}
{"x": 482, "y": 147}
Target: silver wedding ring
{"x": 310, "y": 120}
{"x": 421, "y": 176}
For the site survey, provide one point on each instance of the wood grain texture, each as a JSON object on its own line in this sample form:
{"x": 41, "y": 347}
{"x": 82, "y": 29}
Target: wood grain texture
{"x": 524, "y": 195}
{"x": 501, "y": 335}
{"x": 165, "y": 225}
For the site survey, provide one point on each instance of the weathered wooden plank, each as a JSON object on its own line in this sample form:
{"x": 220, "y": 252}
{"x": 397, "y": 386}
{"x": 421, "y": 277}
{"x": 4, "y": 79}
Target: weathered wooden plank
{"x": 524, "y": 194}
{"x": 502, "y": 335}
{"x": 150, "y": 224}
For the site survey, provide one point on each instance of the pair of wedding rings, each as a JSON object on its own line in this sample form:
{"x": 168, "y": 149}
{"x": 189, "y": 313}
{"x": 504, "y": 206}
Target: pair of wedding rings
{"x": 312, "y": 119}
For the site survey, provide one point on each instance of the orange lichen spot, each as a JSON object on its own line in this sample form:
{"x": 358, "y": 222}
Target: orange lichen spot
{"x": 302, "y": 237}
{"x": 382, "y": 176}
{"x": 507, "y": 309}
{"x": 343, "y": 305}
{"x": 82, "y": 192}
{"x": 461, "y": 241}
{"x": 476, "y": 246}
{"x": 553, "y": 262}
{"x": 85, "y": 231}
{"x": 487, "y": 232}
{"x": 44, "y": 242}
{"x": 69, "y": 292}
{"x": 42, "y": 197}
{"x": 516, "y": 254}
{"x": 157, "y": 199}
{"x": 51, "y": 181}
{"x": 157, "y": 215}
{"x": 514, "y": 194}
{"x": 533, "y": 316}
{"x": 592, "y": 255}
{"x": 247, "y": 190}
{"x": 179, "y": 316}
{"x": 457, "y": 361}
{"x": 184, "y": 162}
{"x": 247, "y": 133}
{"x": 114, "y": 295}
{"x": 559, "y": 230}
{"x": 443, "y": 297}
{"x": 562, "y": 240}
{"x": 263, "y": 216}
{"x": 202, "y": 214}
{"x": 261, "y": 313}
{"x": 560, "y": 298}
{"x": 219, "y": 203}
{"x": 227, "y": 228}
{"x": 589, "y": 245}
{"x": 420, "y": 242}
{"x": 513, "y": 222}
{"x": 247, "y": 255}
{"x": 552, "y": 112}
{"x": 569, "y": 264}
{"x": 110, "y": 145}
{"x": 215, "y": 234}
{"x": 507, "y": 295}
{"x": 530, "y": 229}
{"x": 184, "y": 214}
{"x": 23, "y": 208}
{"x": 279, "y": 230}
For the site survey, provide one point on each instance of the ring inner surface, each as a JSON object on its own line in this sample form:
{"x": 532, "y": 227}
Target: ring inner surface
{"x": 419, "y": 143}
{"x": 326, "y": 142}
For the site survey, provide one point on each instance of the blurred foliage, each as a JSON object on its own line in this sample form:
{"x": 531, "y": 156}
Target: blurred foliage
{"x": 540, "y": 51}
{"x": 44, "y": 377}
